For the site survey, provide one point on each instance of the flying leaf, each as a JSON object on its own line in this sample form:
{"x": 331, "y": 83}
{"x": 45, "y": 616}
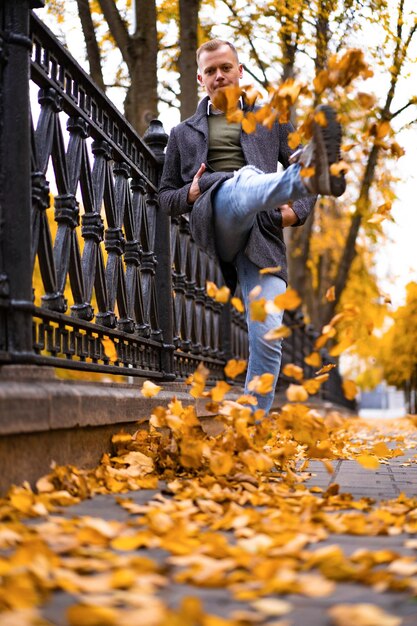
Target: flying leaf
{"x": 307, "y": 172}
{"x": 341, "y": 167}
{"x": 237, "y": 304}
{"x": 294, "y": 140}
{"x": 255, "y": 292}
{"x": 270, "y": 270}
{"x": 383, "y": 129}
{"x": 290, "y": 89}
{"x": 211, "y": 289}
{"x": 257, "y": 310}
{"x": 149, "y": 389}
{"x": 261, "y": 384}
{"x": 289, "y": 300}
{"x": 222, "y": 295}
{"x": 366, "y": 100}
{"x": 376, "y": 218}
{"x": 277, "y": 333}
{"x": 349, "y": 389}
{"x": 226, "y": 99}
{"x": 110, "y": 349}
{"x": 296, "y": 393}
{"x": 331, "y": 294}
{"x": 313, "y": 359}
{"x": 249, "y": 123}
{"x": 312, "y": 386}
{"x": 320, "y": 118}
{"x": 219, "y": 391}
{"x": 368, "y": 461}
{"x": 326, "y": 368}
{"x": 234, "y": 367}
{"x": 198, "y": 381}
{"x": 293, "y": 371}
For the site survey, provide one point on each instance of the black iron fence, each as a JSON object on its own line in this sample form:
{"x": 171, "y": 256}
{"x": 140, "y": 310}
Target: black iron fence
{"x": 110, "y": 283}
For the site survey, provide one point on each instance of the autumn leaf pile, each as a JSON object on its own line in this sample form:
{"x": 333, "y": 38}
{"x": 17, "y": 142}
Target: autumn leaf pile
{"x": 233, "y": 510}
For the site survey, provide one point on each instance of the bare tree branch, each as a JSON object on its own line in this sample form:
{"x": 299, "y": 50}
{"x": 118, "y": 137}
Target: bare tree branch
{"x": 117, "y": 29}
{"x": 251, "y": 73}
{"x": 403, "y": 108}
{"x": 260, "y": 63}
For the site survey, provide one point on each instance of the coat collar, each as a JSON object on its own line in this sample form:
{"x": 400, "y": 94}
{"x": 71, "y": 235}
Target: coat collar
{"x": 199, "y": 119}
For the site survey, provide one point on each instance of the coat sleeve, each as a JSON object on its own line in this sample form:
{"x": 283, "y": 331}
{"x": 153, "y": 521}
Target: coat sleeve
{"x": 173, "y": 190}
{"x": 303, "y": 207}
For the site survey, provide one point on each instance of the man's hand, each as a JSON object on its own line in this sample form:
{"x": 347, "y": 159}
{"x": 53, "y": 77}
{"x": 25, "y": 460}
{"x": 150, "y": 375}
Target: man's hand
{"x": 194, "y": 191}
{"x": 288, "y": 216}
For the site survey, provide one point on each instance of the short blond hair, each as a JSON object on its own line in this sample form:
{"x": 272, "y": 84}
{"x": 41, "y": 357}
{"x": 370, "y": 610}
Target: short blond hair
{"x": 214, "y": 44}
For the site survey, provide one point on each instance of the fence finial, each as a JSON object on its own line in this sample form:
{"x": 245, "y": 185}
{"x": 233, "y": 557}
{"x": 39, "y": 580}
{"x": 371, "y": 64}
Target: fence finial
{"x": 156, "y": 138}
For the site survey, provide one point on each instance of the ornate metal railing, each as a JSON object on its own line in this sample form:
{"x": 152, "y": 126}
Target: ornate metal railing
{"x": 93, "y": 275}
{"x": 117, "y": 287}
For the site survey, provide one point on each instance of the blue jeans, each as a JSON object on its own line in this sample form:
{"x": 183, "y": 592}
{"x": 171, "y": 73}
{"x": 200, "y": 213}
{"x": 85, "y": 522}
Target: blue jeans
{"x": 236, "y": 204}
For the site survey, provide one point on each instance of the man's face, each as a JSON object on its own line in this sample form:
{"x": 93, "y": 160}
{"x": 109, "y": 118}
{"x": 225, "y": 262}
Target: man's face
{"x": 218, "y": 68}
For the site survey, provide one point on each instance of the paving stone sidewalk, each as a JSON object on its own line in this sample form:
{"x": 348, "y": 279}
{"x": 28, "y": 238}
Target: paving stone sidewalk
{"x": 386, "y": 483}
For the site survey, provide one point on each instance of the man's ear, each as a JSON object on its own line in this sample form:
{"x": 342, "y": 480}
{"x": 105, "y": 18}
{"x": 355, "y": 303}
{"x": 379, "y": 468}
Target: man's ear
{"x": 200, "y": 78}
{"x": 240, "y": 70}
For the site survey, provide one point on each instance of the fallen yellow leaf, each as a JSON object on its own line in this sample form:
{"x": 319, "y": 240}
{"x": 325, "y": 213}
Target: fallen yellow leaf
{"x": 272, "y": 606}
{"x": 362, "y": 615}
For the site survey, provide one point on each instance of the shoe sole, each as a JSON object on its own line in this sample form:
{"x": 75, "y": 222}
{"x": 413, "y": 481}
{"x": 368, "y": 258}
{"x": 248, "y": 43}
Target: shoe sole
{"x": 329, "y": 139}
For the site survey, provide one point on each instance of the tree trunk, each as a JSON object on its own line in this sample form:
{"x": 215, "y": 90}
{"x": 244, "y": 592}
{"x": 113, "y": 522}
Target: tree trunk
{"x": 187, "y": 60}
{"x": 141, "y": 104}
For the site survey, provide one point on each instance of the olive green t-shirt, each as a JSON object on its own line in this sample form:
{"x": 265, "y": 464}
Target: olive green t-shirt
{"x": 225, "y": 152}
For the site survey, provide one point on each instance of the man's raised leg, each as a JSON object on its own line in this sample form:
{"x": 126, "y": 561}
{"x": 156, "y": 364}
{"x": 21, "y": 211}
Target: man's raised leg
{"x": 239, "y": 199}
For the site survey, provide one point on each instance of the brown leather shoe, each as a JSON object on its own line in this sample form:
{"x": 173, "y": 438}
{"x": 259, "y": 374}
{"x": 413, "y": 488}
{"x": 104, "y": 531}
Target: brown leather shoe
{"x": 322, "y": 152}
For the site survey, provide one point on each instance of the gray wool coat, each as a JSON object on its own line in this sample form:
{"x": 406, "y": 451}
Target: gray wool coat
{"x": 187, "y": 148}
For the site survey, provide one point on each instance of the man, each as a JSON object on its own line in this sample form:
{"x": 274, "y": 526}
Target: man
{"x": 227, "y": 180}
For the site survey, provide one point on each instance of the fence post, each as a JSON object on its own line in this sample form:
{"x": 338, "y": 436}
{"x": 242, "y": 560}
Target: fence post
{"x": 15, "y": 177}
{"x": 157, "y": 139}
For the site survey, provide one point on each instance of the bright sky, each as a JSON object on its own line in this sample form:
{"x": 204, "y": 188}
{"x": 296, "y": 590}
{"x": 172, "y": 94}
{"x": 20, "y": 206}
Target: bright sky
{"x": 396, "y": 260}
